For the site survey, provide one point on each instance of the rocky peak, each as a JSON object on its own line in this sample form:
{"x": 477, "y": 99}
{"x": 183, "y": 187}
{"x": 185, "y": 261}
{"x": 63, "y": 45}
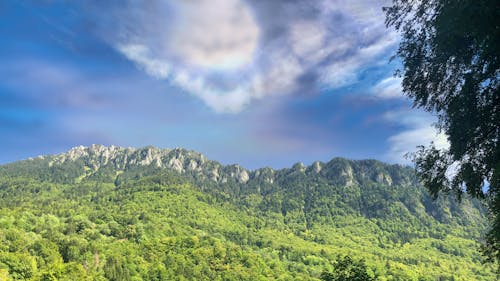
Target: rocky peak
{"x": 237, "y": 172}
{"x": 316, "y": 167}
{"x": 180, "y": 160}
{"x": 338, "y": 171}
{"x": 265, "y": 174}
{"x": 300, "y": 167}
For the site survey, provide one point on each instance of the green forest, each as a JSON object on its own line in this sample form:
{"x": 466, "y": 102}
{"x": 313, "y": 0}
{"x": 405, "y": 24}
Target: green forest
{"x": 107, "y": 213}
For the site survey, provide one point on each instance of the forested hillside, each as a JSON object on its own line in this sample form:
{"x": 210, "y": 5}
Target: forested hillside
{"x": 110, "y": 213}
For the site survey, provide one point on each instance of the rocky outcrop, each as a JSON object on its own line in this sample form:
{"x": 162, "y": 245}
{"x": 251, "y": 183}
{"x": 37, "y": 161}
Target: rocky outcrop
{"x": 338, "y": 171}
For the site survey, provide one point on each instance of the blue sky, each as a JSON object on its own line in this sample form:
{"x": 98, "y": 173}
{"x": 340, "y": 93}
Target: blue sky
{"x": 260, "y": 83}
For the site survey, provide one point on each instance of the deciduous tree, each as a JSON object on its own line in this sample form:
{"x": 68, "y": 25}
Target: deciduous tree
{"x": 450, "y": 51}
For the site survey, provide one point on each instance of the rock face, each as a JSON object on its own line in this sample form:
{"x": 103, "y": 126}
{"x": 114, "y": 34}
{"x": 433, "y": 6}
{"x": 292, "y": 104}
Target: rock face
{"x": 384, "y": 179}
{"x": 316, "y": 167}
{"x": 338, "y": 171}
{"x": 97, "y": 156}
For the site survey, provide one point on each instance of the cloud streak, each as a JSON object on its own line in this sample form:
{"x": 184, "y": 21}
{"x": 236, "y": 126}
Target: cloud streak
{"x": 415, "y": 127}
{"x": 389, "y": 88}
{"x": 418, "y": 130}
{"x": 231, "y": 52}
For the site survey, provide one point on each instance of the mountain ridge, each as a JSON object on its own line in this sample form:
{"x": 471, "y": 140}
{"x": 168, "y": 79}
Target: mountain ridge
{"x": 337, "y": 177}
{"x": 101, "y": 211}
{"x": 183, "y": 160}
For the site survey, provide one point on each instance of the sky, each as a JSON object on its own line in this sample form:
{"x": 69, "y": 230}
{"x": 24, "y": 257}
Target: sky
{"x": 257, "y": 82}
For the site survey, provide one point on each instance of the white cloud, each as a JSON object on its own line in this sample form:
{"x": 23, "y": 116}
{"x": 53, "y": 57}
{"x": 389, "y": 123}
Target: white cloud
{"x": 141, "y": 55}
{"x": 407, "y": 141}
{"x": 308, "y": 38}
{"x": 213, "y": 33}
{"x": 418, "y": 131}
{"x": 418, "y": 128}
{"x": 389, "y": 88}
{"x": 231, "y": 52}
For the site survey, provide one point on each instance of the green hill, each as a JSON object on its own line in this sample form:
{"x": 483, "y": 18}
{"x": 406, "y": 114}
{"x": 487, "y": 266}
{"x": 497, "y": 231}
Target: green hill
{"x": 110, "y": 213}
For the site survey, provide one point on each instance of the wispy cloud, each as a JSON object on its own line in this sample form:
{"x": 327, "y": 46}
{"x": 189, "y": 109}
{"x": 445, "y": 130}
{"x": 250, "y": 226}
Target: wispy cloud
{"x": 418, "y": 130}
{"x": 46, "y": 85}
{"x": 416, "y": 127}
{"x": 231, "y": 52}
{"x": 388, "y": 88}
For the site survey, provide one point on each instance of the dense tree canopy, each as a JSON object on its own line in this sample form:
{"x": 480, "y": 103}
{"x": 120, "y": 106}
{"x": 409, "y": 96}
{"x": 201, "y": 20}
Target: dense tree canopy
{"x": 345, "y": 268}
{"x": 451, "y": 67}
{"x": 66, "y": 221}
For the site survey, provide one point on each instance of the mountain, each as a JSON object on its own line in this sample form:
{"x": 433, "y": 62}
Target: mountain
{"x": 112, "y": 213}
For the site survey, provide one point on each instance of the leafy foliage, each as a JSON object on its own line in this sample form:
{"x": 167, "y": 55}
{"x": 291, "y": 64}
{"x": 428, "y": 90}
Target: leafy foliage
{"x": 347, "y": 269}
{"x": 451, "y": 66}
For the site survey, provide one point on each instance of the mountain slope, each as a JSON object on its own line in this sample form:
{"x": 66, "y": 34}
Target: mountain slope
{"x": 110, "y": 213}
